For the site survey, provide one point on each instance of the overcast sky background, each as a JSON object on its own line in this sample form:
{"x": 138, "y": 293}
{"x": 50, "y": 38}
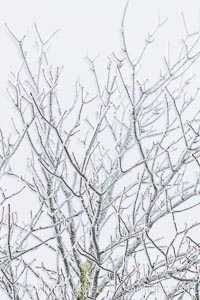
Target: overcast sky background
{"x": 89, "y": 27}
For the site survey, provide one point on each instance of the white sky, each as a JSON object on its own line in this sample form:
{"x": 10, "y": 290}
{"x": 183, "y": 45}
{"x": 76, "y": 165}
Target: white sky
{"x": 88, "y": 27}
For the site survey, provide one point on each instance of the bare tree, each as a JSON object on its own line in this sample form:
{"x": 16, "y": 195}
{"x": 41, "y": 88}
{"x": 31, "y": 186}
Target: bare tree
{"x": 105, "y": 173}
